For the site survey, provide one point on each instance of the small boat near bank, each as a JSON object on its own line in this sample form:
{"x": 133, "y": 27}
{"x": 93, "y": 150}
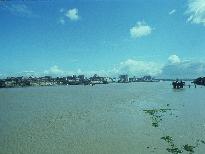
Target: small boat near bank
{"x": 178, "y": 84}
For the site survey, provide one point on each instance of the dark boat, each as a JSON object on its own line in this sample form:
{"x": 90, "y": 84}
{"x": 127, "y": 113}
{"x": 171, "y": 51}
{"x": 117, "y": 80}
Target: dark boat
{"x": 178, "y": 84}
{"x": 200, "y": 81}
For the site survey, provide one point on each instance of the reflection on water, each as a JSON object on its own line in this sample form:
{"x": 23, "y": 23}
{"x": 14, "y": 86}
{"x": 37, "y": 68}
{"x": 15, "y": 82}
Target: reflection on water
{"x": 114, "y": 118}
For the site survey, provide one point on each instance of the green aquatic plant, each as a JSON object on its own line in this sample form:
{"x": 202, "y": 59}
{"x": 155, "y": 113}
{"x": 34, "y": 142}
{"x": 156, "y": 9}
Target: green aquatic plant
{"x": 174, "y": 150}
{"x": 189, "y": 148}
{"x": 156, "y": 115}
{"x": 164, "y": 110}
{"x": 155, "y": 124}
{"x": 202, "y": 141}
{"x": 150, "y": 112}
{"x": 168, "y": 139}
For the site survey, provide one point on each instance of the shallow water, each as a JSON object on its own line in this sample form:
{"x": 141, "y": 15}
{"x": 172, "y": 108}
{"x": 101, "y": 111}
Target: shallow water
{"x": 100, "y": 119}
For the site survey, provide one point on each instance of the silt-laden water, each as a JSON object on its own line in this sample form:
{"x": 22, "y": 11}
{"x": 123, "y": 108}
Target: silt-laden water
{"x": 128, "y": 118}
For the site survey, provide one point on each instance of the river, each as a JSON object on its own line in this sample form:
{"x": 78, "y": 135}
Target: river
{"x": 132, "y": 118}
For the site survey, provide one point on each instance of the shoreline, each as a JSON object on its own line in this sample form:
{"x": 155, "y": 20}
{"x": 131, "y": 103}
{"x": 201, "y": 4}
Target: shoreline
{"x": 19, "y": 82}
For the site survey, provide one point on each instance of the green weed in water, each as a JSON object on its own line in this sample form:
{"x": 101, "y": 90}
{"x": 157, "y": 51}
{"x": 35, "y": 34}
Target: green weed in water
{"x": 156, "y": 115}
{"x": 189, "y": 148}
{"x": 202, "y": 141}
{"x": 174, "y": 150}
{"x": 168, "y": 139}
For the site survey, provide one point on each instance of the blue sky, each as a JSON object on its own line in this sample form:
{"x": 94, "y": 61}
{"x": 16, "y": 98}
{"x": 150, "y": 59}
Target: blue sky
{"x": 156, "y": 37}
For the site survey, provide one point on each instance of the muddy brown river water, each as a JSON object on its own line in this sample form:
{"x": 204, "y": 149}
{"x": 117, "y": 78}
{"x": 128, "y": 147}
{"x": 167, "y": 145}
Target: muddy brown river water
{"x": 133, "y": 118}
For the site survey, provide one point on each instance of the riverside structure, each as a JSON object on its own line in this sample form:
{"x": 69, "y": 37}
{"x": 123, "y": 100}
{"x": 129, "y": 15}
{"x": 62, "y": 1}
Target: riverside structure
{"x": 11, "y": 82}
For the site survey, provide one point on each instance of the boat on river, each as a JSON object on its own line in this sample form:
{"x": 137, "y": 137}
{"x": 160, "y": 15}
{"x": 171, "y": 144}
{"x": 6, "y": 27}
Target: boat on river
{"x": 178, "y": 84}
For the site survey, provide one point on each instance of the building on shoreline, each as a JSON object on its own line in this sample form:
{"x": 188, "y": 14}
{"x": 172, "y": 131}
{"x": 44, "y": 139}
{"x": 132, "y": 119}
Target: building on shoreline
{"x": 10, "y": 82}
{"x": 21, "y": 81}
{"x": 123, "y": 79}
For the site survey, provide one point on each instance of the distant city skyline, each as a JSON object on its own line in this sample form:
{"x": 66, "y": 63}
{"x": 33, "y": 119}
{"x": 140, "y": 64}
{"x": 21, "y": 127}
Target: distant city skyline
{"x": 152, "y": 37}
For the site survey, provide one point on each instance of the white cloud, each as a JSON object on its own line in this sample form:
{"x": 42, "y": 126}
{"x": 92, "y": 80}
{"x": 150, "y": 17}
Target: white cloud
{"x": 185, "y": 69}
{"x": 2, "y": 76}
{"x": 140, "y": 29}
{"x": 62, "y": 10}
{"x": 172, "y": 12}
{"x": 54, "y": 70}
{"x": 177, "y": 68}
{"x": 174, "y": 68}
{"x": 28, "y": 73}
{"x": 19, "y": 10}
{"x": 98, "y": 72}
{"x": 174, "y": 59}
{"x": 62, "y": 21}
{"x": 79, "y": 71}
{"x": 196, "y": 11}
{"x": 136, "y": 67}
{"x": 72, "y": 14}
